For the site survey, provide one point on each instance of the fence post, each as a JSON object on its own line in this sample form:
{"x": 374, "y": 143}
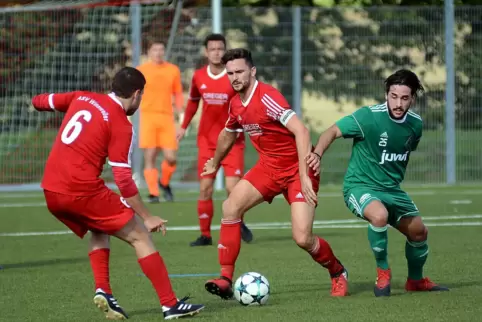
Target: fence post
{"x": 296, "y": 60}
{"x": 217, "y": 22}
{"x": 136, "y": 22}
{"x": 450, "y": 134}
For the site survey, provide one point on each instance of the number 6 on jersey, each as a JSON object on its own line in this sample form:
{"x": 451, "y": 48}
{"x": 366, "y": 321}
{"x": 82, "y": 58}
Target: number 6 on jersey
{"x": 74, "y": 126}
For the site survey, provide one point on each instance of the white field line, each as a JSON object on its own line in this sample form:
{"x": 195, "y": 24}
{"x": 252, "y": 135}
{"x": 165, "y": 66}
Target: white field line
{"x": 440, "y": 221}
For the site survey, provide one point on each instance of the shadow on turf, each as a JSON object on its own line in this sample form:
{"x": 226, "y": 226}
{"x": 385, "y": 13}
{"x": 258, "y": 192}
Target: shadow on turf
{"x": 48, "y": 262}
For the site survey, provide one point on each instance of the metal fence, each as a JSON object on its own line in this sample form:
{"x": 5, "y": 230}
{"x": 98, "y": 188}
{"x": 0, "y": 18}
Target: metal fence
{"x": 341, "y": 55}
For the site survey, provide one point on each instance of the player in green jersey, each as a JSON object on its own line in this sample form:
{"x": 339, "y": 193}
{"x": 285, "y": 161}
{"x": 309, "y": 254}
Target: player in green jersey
{"x": 383, "y": 137}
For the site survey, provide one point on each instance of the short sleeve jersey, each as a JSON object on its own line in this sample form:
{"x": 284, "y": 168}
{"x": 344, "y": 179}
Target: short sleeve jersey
{"x": 263, "y": 116}
{"x": 95, "y": 127}
{"x": 381, "y": 146}
{"x": 216, "y": 92}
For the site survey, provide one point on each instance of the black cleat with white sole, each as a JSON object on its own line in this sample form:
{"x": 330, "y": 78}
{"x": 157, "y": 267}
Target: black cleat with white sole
{"x": 181, "y": 309}
{"x": 108, "y": 305}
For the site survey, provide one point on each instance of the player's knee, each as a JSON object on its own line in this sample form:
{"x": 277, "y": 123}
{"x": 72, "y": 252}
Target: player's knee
{"x": 378, "y": 217}
{"x": 206, "y": 192}
{"x": 303, "y": 240}
{"x": 171, "y": 160}
{"x": 418, "y": 234}
{"x": 231, "y": 211}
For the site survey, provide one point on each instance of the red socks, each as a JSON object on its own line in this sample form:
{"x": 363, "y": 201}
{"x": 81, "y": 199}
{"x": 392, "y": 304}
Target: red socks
{"x": 229, "y": 246}
{"x": 205, "y": 211}
{"x": 99, "y": 261}
{"x": 323, "y": 255}
{"x": 154, "y": 268}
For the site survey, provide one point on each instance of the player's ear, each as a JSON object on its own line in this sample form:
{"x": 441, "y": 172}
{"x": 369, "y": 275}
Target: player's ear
{"x": 253, "y": 71}
{"x": 386, "y": 97}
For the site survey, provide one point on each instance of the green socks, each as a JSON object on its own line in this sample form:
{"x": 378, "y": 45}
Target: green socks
{"x": 416, "y": 254}
{"x": 378, "y": 238}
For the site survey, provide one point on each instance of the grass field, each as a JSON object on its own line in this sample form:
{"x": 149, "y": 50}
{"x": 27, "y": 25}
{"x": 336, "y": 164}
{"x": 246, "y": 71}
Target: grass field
{"x": 47, "y": 277}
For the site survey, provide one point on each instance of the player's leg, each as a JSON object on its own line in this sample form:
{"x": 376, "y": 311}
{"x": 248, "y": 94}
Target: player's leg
{"x": 205, "y": 207}
{"x": 407, "y": 220}
{"x": 205, "y": 210}
{"x": 148, "y": 142}
{"x": 168, "y": 143}
{"x": 231, "y": 181}
{"x": 152, "y": 264}
{"x": 99, "y": 252}
{"x": 233, "y": 166}
{"x": 252, "y": 190}
{"x": 367, "y": 204}
{"x": 73, "y": 212}
{"x": 302, "y": 217}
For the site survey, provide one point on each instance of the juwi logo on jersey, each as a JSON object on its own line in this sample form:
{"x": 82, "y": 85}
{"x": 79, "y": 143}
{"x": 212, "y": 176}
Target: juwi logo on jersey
{"x": 392, "y": 157}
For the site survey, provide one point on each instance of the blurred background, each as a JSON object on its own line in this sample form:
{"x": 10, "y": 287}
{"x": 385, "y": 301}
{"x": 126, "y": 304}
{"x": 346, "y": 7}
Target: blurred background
{"x": 328, "y": 57}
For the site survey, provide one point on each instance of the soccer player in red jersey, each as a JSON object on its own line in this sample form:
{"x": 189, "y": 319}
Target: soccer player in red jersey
{"x": 95, "y": 127}
{"x": 211, "y": 84}
{"x": 283, "y": 143}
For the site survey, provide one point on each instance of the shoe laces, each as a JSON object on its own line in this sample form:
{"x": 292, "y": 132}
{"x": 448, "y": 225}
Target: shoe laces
{"x": 184, "y": 299}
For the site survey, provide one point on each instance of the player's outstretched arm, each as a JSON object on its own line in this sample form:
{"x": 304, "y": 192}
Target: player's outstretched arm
{"x": 324, "y": 142}
{"x": 51, "y": 102}
{"x": 226, "y": 140}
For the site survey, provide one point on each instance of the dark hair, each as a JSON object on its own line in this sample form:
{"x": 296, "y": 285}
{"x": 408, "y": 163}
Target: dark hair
{"x": 153, "y": 42}
{"x": 214, "y": 37}
{"x": 127, "y": 81}
{"x": 238, "y": 53}
{"x": 405, "y": 77}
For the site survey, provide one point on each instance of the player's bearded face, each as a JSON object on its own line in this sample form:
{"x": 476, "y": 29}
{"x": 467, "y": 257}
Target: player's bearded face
{"x": 215, "y": 51}
{"x": 399, "y": 100}
{"x": 240, "y": 74}
{"x": 136, "y": 102}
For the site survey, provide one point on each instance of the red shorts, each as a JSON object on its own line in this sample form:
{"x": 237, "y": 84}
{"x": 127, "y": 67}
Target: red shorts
{"x": 271, "y": 184}
{"x": 233, "y": 164}
{"x": 105, "y": 212}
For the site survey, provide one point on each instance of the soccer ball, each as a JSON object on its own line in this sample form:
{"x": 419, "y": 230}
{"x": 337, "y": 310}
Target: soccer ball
{"x": 251, "y": 289}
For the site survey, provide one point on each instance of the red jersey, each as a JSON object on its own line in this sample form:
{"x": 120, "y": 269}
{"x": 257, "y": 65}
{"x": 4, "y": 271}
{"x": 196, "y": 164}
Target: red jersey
{"x": 216, "y": 92}
{"x": 95, "y": 127}
{"x": 263, "y": 117}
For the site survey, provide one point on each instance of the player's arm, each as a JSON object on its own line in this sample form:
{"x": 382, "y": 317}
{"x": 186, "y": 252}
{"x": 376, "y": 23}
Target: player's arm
{"x": 177, "y": 91}
{"x": 192, "y": 104}
{"x": 119, "y": 153}
{"x": 350, "y": 126}
{"x": 417, "y": 139}
{"x": 302, "y": 138}
{"x": 226, "y": 140}
{"x": 51, "y": 102}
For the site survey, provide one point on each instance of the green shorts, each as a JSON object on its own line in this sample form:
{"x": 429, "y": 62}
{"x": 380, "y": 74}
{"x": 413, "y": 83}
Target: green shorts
{"x": 397, "y": 202}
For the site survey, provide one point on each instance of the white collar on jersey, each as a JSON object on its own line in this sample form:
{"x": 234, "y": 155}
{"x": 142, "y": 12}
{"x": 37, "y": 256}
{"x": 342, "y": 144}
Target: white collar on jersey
{"x": 218, "y": 76}
{"x": 251, "y": 94}
{"x": 395, "y": 120}
{"x": 115, "y": 99}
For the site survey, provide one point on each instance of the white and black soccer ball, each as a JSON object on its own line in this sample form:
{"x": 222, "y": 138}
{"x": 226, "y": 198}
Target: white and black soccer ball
{"x": 251, "y": 289}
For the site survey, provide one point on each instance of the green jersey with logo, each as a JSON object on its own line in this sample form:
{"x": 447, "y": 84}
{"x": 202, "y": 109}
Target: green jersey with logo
{"x": 381, "y": 146}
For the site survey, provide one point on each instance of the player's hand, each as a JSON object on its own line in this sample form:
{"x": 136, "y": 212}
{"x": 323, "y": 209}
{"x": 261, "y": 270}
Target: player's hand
{"x": 209, "y": 168}
{"x": 180, "y": 134}
{"x": 313, "y": 161}
{"x": 155, "y": 224}
{"x": 307, "y": 189}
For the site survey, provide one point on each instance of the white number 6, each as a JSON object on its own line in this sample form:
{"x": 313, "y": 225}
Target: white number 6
{"x": 74, "y": 126}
